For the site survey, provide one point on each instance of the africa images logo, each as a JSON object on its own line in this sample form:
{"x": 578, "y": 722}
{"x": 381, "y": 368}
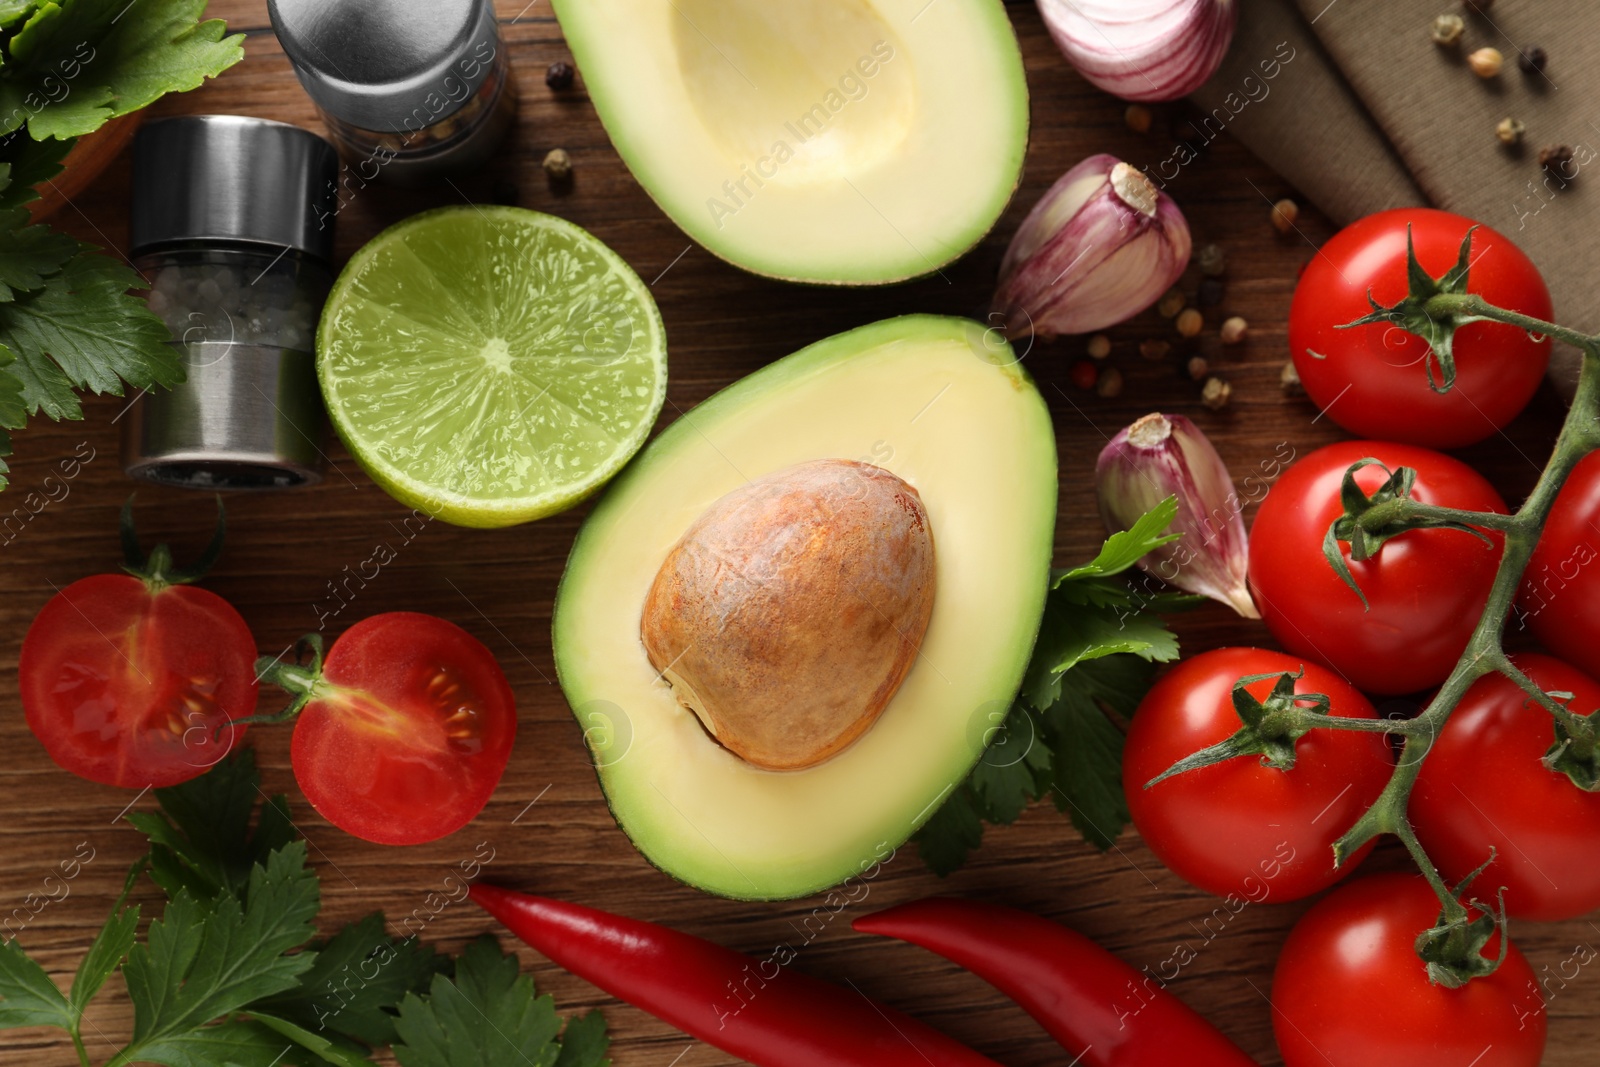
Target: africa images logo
{"x": 813, "y": 123}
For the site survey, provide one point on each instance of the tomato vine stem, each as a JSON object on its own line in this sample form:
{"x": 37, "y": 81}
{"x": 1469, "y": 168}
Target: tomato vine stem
{"x": 1580, "y": 435}
{"x": 1434, "y": 310}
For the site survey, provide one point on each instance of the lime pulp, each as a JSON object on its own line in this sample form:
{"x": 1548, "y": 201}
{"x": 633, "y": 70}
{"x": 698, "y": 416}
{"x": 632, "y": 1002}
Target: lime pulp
{"x": 490, "y": 365}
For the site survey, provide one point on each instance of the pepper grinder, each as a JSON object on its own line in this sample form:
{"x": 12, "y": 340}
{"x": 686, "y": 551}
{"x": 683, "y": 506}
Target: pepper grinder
{"x": 410, "y": 91}
{"x": 231, "y": 227}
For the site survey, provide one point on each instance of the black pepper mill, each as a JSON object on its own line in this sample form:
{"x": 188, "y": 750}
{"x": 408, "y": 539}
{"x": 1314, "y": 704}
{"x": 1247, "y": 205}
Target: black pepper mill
{"x": 411, "y": 91}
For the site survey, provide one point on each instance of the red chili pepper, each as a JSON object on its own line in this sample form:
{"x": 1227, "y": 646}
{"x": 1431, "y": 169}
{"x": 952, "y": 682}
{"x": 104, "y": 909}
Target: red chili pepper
{"x": 1100, "y": 1009}
{"x": 762, "y": 1011}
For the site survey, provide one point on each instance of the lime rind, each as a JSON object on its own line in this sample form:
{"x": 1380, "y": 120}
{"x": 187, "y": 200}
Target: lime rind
{"x": 491, "y": 365}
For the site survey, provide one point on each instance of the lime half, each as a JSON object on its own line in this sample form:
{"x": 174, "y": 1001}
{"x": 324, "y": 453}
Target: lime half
{"x": 491, "y": 365}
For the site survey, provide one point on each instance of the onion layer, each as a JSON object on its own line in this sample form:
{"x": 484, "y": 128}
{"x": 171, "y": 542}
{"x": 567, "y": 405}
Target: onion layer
{"x": 1145, "y": 50}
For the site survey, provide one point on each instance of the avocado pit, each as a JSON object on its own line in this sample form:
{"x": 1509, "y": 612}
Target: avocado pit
{"x": 790, "y": 612}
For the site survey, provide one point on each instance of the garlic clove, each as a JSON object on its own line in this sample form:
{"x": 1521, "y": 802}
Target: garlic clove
{"x": 1100, "y": 246}
{"x": 1167, "y": 455}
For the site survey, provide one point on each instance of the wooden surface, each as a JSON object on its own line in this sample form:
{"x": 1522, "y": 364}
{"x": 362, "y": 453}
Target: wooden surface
{"x": 284, "y": 550}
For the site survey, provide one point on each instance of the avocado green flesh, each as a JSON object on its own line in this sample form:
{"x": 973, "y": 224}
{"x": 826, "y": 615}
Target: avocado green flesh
{"x": 939, "y": 402}
{"x": 840, "y": 142}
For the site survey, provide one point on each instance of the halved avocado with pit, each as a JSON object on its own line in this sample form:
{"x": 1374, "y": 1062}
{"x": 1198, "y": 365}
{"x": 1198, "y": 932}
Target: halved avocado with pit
{"x": 848, "y": 142}
{"x": 938, "y": 406}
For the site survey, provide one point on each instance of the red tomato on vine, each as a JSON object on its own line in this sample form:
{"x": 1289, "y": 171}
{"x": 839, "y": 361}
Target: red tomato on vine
{"x": 1240, "y": 827}
{"x": 1426, "y": 588}
{"x": 1350, "y": 990}
{"x": 1373, "y": 379}
{"x": 1560, "y": 596}
{"x": 1484, "y": 786}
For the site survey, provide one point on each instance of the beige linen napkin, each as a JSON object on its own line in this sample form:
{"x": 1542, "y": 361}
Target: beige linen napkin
{"x": 1390, "y": 94}
{"x": 1309, "y": 126}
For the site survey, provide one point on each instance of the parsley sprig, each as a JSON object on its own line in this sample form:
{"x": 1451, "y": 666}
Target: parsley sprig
{"x": 67, "y": 320}
{"x": 229, "y": 974}
{"x": 1097, "y": 650}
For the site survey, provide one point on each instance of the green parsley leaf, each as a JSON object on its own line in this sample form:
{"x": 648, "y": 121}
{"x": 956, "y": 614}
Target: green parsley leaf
{"x": 111, "y": 945}
{"x": 27, "y": 995}
{"x": 29, "y": 254}
{"x": 488, "y": 1013}
{"x": 14, "y": 11}
{"x": 202, "y": 841}
{"x": 208, "y": 958}
{"x": 232, "y": 1043}
{"x": 1127, "y": 547}
{"x": 77, "y": 64}
{"x": 356, "y": 986}
{"x": 1096, "y": 650}
{"x": 1087, "y": 746}
{"x": 229, "y": 975}
{"x": 68, "y": 67}
{"x": 83, "y": 331}
{"x": 951, "y": 833}
{"x": 25, "y": 163}
{"x": 326, "y": 1050}
{"x": 13, "y": 412}
{"x": 584, "y": 1042}
{"x": 1014, "y": 769}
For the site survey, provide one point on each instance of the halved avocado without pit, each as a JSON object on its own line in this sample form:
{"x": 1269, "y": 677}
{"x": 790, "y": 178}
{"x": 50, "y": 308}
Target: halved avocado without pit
{"x": 847, "y": 142}
{"x": 744, "y": 630}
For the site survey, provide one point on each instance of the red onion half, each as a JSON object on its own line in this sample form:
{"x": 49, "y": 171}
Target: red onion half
{"x": 1146, "y": 50}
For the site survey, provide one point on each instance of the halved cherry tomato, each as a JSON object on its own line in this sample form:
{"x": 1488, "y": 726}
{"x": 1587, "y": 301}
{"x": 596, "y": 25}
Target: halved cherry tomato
{"x": 1371, "y": 379}
{"x": 1240, "y": 828}
{"x": 132, "y": 679}
{"x": 407, "y": 729}
{"x": 1350, "y": 990}
{"x": 1426, "y": 588}
{"x": 1484, "y": 785}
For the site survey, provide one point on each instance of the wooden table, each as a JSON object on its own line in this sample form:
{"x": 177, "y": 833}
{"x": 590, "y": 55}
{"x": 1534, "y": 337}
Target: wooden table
{"x": 284, "y": 551}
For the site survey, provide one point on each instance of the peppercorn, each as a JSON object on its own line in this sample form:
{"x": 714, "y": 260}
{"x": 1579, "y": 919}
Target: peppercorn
{"x": 558, "y": 167}
{"x": 1289, "y": 379}
{"x": 1154, "y": 349}
{"x": 1170, "y": 304}
{"x": 1532, "y": 60}
{"x": 1486, "y": 62}
{"x": 1211, "y": 292}
{"x": 1284, "y": 212}
{"x": 1447, "y": 29}
{"x": 1138, "y": 118}
{"x": 1084, "y": 374}
{"x": 1110, "y": 383}
{"x": 1233, "y": 330}
{"x": 1216, "y": 394}
{"x": 1099, "y": 346}
{"x": 1557, "y": 158}
{"x": 1190, "y": 322}
{"x": 559, "y": 76}
{"x": 1211, "y": 260}
{"x": 1510, "y": 131}
{"x": 1197, "y": 367}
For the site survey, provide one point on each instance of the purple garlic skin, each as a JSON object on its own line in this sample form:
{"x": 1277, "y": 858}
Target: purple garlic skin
{"x": 1167, "y": 455}
{"x": 1099, "y": 247}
